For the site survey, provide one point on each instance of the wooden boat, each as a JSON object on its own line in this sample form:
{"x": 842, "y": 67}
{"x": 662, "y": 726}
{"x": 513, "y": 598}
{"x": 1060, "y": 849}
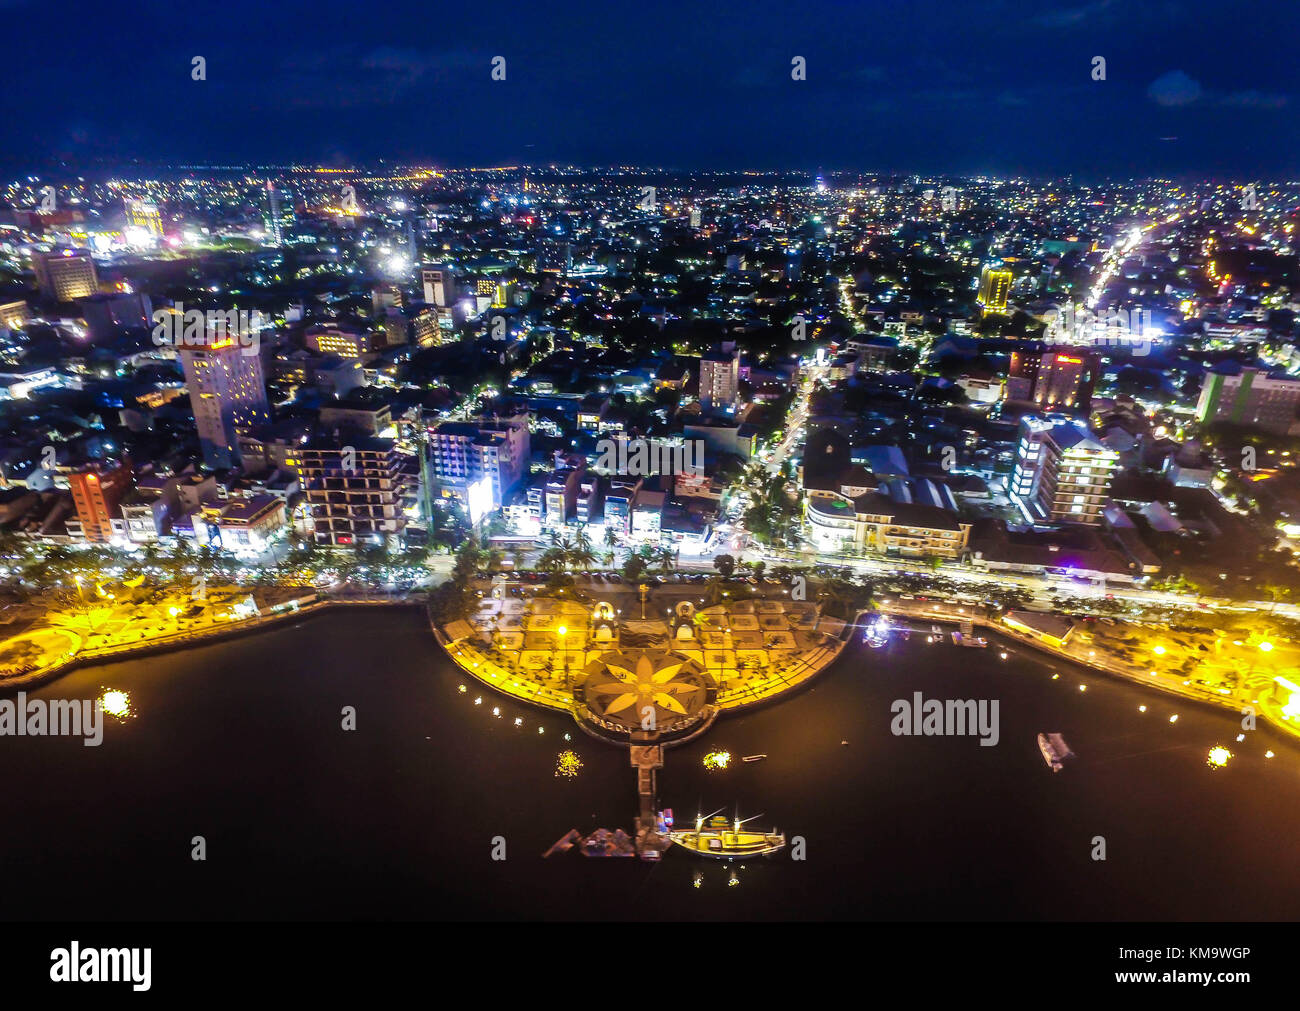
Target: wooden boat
{"x": 724, "y": 841}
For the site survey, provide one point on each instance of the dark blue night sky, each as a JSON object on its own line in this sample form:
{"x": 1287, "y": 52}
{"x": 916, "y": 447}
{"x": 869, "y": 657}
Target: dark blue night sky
{"x": 1005, "y": 87}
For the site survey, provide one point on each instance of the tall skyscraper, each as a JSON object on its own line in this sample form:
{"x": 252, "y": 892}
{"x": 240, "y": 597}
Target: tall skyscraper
{"x": 280, "y": 213}
{"x": 227, "y": 393}
{"x": 463, "y": 452}
{"x": 396, "y": 327}
{"x": 719, "y": 380}
{"x": 97, "y": 493}
{"x": 356, "y": 487}
{"x": 439, "y": 286}
{"x": 1062, "y": 472}
{"x": 65, "y": 274}
{"x": 144, "y": 214}
{"x": 995, "y": 286}
{"x": 555, "y": 257}
{"x": 426, "y": 328}
{"x": 1053, "y": 379}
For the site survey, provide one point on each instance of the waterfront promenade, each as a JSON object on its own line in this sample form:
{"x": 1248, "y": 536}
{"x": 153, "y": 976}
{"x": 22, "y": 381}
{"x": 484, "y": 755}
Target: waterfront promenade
{"x": 1258, "y": 691}
{"x": 554, "y": 652}
{"x": 51, "y": 650}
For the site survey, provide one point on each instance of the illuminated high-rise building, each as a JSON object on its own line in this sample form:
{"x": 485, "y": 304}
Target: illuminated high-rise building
{"x": 345, "y": 341}
{"x": 719, "y": 380}
{"x": 356, "y": 486}
{"x": 995, "y": 286}
{"x": 97, "y": 493}
{"x": 1062, "y": 472}
{"x": 492, "y": 450}
{"x": 66, "y": 274}
{"x": 228, "y": 395}
{"x": 1252, "y": 399}
{"x": 426, "y": 329}
{"x": 439, "y": 286}
{"x": 555, "y": 257}
{"x": 144, "y": 214}
{"x": 1053, "y": 379}
{"x": 280, "y": 213}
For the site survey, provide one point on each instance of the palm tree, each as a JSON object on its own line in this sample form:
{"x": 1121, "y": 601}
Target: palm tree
{"x": 611, "y": 538}
{"x": 553, "y": 560}
{"x": 666, "y": 559}
{"x": 580, "y": 553}
{"x": 519, "y": 556}
{"x": 633, "y": 567}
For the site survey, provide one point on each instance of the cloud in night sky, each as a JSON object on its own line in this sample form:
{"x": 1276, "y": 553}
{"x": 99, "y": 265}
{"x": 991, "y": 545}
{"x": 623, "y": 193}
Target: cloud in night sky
{"x": 1173, "y": 89}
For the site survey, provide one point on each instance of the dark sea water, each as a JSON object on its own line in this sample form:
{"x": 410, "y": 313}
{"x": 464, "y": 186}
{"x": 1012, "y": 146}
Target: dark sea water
{"x": 240, "y": 742}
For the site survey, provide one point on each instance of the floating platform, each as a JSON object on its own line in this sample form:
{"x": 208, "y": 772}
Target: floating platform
{"x": 972, "y": 641}
{"x": 1055, "y": 750}
{"x": 601, "y": 843}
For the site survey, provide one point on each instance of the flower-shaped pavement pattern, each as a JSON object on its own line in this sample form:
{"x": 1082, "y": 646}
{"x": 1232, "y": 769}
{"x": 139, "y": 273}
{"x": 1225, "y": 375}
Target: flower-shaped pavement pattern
{"x": 629, "y": 684}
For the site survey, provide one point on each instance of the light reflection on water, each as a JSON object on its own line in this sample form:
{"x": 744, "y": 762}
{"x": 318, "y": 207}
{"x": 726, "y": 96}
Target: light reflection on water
{"x": 241, "y": 742}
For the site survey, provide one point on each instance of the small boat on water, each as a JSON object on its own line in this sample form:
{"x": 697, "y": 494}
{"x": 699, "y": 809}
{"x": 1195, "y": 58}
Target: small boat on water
{"x": 753, "y": 758}
{"x": 725, "y": 840}
{"x": 1054, "y": 750}
{"x": 973, "y": 641}
{"x": 876, "y": 633}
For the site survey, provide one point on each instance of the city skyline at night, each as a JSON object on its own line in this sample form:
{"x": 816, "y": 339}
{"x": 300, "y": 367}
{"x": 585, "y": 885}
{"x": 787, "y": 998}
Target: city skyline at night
{"x": 667, "y": 474}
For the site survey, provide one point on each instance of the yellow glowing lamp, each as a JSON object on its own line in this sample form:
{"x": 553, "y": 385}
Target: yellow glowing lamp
{"x": 116, "y": 703}
{"x": 1218, "y": 757}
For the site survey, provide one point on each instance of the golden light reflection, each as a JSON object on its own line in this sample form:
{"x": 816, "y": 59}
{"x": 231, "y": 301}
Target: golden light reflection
{"x": 116, "y": 703}
{"x": 568, "y": 764}
{"x": 1218, "y": 757}
{"x": 717, "y": 760}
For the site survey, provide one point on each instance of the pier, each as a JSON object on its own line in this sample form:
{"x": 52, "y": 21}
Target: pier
{"x": 646, "y": 758}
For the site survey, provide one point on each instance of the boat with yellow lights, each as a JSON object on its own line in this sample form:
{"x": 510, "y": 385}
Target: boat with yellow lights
{"x": 726, "y": 840}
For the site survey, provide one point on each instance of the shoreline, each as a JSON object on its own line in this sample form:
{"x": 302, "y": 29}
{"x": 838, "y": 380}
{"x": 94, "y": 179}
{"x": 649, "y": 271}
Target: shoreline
{"x": 1211, "y": 700}
{"x": 248, "y": 626}
{"x": 182, "y": 640}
